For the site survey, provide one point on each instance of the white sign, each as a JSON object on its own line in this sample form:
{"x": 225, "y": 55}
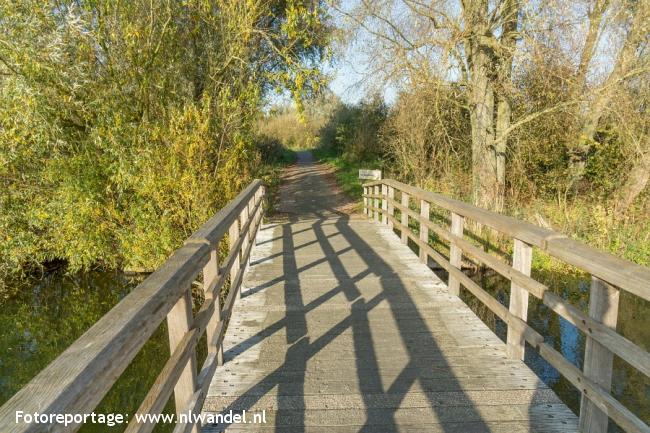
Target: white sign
{"x": 370, "y": 174}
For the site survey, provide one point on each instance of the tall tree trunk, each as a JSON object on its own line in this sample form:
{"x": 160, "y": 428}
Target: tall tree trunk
{"x": 485, "y": 185}
{"x": 593, "y": 110}
{"x": 485, "y": 188}
{"x": 508, "y": 44}
{"x": 595, "y": 16}
{"x": 636, "y": 182}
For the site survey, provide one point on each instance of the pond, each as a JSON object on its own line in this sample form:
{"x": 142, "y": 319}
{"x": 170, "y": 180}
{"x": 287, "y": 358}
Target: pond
{"x": 42, "y": 318}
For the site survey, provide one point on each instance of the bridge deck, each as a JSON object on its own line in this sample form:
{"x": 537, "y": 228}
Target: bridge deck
{"x": 342, "y": 329}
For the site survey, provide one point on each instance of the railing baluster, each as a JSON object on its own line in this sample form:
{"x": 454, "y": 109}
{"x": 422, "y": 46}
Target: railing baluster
{"x": 210, "y": 274}
{"x": 521, "y": 261}
{"x": 233, "y": 237}
{"x": 243, "y": 218}
{"x": 384, "y": 203}
{"x": 424, "y": 230}
{"x": 179, "y": 322}
{"x": 603, "y": 307}
{"x": 376, "y": 193}
{"x": 405, "y": 218}
{"x": 365, "y": 200}
{"x": 455, "y": 253}
{"x": 391, "y": 207}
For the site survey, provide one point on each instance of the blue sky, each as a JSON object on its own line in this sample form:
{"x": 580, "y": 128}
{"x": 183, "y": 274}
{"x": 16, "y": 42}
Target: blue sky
{"x": 349, "y": 75}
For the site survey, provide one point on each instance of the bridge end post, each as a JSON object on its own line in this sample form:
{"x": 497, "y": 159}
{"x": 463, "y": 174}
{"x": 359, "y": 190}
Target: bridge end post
{"x": 365, "y": 200}
{"x": 384, "y": 203}
{"x": 522, "y": 258}
{"x": 391, "y": 207}
{"x": 425, "y": 208}
{"x": 455, "y": 252}
{"x": 210, "y": 275}
{"x": 376, "y": 202}
{"x": 233, "y": 237}
{"x": 603, "y": 307}
{"x": 405, "y": 218}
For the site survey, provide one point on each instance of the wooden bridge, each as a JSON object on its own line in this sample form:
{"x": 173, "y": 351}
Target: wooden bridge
{"x": 323, "y": 321}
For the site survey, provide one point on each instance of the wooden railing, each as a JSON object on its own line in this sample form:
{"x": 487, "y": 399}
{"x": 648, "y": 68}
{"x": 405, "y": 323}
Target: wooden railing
{"x": 608, "y": 275}
{"x": 76, "y": 381}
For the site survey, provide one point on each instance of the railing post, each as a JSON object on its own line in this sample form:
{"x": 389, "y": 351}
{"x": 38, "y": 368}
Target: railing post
{"x": 455, "y": 253}
{"x": 376, "y": 188}
{"x": 391, "y": 207}
{"x": 405, "y": 217}
{"x": 424, "y": 230}
{"x": 210, "y": 274}
{"x": 179, "y": 322}
{"x": 233, "y": 237}
{"x": 262, "y": 192}
{"x": 365, "y": 200}
{"x": 243, "y": 219}
{"x": 522, "y": 258}
{"x": 603, "y": 307}
{"x": 384, "y": 203}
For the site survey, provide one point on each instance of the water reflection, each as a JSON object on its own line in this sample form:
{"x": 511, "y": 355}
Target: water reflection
{"x": 629, "y": 386}
{"x": 41, "y": 319}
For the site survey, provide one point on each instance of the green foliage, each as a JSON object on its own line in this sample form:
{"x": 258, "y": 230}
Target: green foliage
{"x": 424, "y": 139}
{"x": 353, "y": 131}
{"x": 125, "y": 125}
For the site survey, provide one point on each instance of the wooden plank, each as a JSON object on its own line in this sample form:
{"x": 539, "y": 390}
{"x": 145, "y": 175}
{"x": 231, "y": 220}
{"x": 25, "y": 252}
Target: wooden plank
{"x": 217, "y": 226}
{"x": 210, "y": 277}
{"x": 522, "y": 258}
{"x": 618, "y": 272}
{"x": 384, "y": 204}
{"x": 391, "y": 207}
{"x": 455, "y": 253}
{"x": 206, "y": 374}
{"x": 405, "y": 217}
{"x": 515, "y": 228}
{"x": 621, "y": 273}
{"x": 179, "y": 322}
{"x": 598, "y": 361}
{"x": 365, "y": 200}
{"x": 424, "y": 229}
{"x": 618, "y": 344}
{"x": 243, "y": 232}
{"x": 594, "y": 392}
{"x": 163, "y": 387}
{"x": 233, "y": 238}
{"x": 377, "y": 201}
{"x": 601, "y": 398}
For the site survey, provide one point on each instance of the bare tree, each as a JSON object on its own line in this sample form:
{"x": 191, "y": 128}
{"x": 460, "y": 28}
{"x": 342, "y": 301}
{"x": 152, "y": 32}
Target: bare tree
{"x": 482, "y": 46}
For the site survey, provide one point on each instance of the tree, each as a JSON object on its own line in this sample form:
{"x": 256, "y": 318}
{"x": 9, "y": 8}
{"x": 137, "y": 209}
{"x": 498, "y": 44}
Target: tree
{"x": 125, "y": 125}
{"x": 485, "y": 47}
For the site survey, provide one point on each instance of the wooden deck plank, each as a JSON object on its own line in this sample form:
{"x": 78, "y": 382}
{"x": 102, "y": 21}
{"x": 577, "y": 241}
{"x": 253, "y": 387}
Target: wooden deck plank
{"x": 341, "y": 328}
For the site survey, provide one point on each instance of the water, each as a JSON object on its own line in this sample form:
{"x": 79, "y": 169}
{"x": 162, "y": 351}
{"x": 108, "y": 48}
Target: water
{"x": 629, "y": 386}
{"x": 41, "y": 319}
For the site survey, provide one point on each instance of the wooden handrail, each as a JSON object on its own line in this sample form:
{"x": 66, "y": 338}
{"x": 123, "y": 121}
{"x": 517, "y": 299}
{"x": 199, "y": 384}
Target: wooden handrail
{"x": 77, "y": 380}
{"x": 599, "y": 325}
{"x": 618, "y": 272}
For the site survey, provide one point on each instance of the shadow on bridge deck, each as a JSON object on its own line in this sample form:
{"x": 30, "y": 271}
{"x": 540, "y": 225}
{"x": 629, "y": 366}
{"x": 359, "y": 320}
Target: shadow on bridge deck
{"x": 341, "y": 329}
